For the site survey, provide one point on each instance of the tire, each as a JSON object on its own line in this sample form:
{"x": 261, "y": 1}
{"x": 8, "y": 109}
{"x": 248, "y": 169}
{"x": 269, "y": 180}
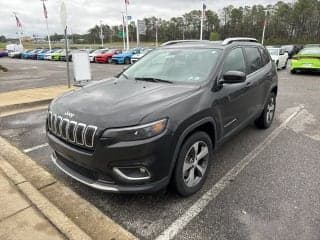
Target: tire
{"x": 277, "y": 64}
{"x": 266, "y": 118}
{"x": 293, "y": 71}
{"x": 126, "y": 61}
{"x": 187, "y": 166}
{"x": 285, "y": 66}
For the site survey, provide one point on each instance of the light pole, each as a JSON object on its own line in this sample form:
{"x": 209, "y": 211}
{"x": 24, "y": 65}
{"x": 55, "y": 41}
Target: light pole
{"x": 156, "y": 33}
{"x": 123, "y": 36}
{"x": 266, "y": 11}
{"x": 127, "y": 28}
{"x": 101, "y": 33}
{"x": 46, "y": 18}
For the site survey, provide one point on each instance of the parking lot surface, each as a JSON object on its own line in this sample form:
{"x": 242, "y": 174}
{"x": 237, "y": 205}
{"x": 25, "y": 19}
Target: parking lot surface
{"x": 275, "y": 196}
{"x": 24, "y": 73}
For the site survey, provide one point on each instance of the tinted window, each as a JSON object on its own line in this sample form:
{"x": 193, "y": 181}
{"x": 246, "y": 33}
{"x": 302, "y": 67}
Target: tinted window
{"x": 265, "y": 55}
{"x": 254, "y": 59}
{"x": 234, "y": 61}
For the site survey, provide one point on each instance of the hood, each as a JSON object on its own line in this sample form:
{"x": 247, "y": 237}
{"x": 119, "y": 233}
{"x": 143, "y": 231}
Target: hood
{"x": 118, "y": 103}
{"x": 125, "y": 54}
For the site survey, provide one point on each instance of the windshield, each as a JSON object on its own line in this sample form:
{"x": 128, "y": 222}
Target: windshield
{"x": 100, "y": 50}
{"x": 310, "y": 51}
{"x": 175, "y": 65}
{"x": 273, "y": 51}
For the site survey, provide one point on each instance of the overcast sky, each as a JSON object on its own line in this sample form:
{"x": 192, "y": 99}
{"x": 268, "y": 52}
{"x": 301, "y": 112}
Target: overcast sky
{"x": 83, "y": 14}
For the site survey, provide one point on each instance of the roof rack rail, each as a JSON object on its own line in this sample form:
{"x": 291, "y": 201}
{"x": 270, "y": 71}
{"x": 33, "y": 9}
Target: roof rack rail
{"x": 181, "y": 41}
{"x": 238, "y": 39}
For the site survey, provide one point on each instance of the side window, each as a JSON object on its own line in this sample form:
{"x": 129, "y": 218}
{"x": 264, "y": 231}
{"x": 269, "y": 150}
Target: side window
{"x": 254, "y": 59}
{"x": 234, "y": 61}
{"x": 265, "y": 55}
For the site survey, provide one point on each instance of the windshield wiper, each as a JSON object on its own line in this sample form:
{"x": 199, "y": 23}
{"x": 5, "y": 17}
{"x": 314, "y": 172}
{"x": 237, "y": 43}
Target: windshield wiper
{"x": 150, "y": 79}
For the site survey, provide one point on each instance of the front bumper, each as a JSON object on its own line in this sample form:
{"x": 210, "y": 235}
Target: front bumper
{"x": 118, "y": 60}
{"x": 96, "y": 168}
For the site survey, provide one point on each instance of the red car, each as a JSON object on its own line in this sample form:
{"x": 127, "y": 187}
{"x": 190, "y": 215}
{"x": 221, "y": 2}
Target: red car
{"x": 107, "y": 56}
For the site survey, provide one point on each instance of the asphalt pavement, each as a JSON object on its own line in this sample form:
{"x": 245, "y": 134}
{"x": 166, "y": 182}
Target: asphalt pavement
{"x": 26, "y": 73}
{"x": 276, "y": 196}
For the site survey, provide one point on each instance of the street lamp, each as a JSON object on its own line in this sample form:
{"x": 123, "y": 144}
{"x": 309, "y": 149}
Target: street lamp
{"x": 266, "y": 11}
{"x": 101, "y": 33}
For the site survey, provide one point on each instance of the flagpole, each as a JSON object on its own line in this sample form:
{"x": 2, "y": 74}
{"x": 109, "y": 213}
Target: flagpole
{"x": 127, "y": 28}
{"x": 123, "y": 37}
{"x": 46, "y": 18}
{"x": 201, "y": 26}
{"x": 19, "y": 26}
{"x": 264, "y": 26}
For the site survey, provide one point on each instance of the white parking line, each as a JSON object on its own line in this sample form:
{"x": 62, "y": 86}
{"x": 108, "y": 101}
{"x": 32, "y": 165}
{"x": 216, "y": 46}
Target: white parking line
{"x": 212, "y": 193}
{"x": 27, "y": 150}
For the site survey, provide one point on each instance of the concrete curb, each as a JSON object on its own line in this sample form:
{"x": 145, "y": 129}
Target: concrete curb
{"x": 86, "y": 217}
{"x": 13, "y": 107}
{"x": 52, "y": 213}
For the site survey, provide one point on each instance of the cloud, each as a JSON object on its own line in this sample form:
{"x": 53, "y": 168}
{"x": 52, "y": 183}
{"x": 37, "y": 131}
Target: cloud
{"x": 83, "y": 14}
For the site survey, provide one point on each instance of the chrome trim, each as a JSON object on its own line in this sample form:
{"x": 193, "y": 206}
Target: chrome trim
{"x": 66, "y": 128}
{"x": 73, "y": 174}
{"x": 74, "y": 131}
{"x": 85, "y": 134}
{"x": 82, "y": 134}
{"x": 230, "y": 122}
{"x": 238, "y": 39}
{"x": 122, "y": 175}
{"x": 54, "y": 119}
{"x": 60, "y": 126}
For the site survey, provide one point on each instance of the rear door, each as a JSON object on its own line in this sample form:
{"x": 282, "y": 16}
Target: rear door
{"x": 256, "y": 78}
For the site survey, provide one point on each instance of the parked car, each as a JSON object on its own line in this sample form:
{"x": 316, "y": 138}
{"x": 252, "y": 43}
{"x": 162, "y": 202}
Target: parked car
{"x": 160, "y": 120}
{"x": 42, "y": 54}
{"x": 291, "y": 50}
{"x": 34, "y": 54}
{"x": 137, "y": 56}
{"x": 15, "y": 54}
{"x": 125, "y": 57}
{"x": 92, "y": 55}
{"x": 25, "y": 54}
{"x": 48, "y": 55}
{"x": 308, "y": 59}
{"x": 62, "y": 56}
{"x": 106, "y": 57}
{"x": 279, "y": 56}
{"x": 3, "y": 53}
{"x": 56, "y": 55}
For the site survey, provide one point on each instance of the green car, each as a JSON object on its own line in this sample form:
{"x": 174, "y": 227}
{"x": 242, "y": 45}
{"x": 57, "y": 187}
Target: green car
{"x": 56, "y": 55}
{"x": 308, "y": 59}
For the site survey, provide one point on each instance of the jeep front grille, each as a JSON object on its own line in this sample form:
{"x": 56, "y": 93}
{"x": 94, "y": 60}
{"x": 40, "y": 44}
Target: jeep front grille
{"x": 77, "y": 133}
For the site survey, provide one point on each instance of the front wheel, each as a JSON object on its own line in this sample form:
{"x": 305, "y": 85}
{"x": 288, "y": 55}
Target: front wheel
{"x": 126, "y": 61}
{"x": 266, "y": 118}
{"x": 192, "y": 164}
{"x": 285, "y": 65}
{"x": 293, "y": 71}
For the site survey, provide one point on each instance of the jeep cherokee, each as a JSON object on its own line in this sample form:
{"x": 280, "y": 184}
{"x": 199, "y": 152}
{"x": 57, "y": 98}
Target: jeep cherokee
{"x": 160, "y": 120}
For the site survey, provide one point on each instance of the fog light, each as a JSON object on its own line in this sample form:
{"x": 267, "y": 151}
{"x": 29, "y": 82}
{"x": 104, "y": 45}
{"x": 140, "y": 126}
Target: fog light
{"x": 132, "y": 173}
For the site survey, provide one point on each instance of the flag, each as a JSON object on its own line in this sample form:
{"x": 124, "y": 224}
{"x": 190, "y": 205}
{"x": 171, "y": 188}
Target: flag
{"x": 126, "y": 2}
{"x": 204, "y": 7}
{"x": 18, "y": 22}
{"x": 45, "y": 11}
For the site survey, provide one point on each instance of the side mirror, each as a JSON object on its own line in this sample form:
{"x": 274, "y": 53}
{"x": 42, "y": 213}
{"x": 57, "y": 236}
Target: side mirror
{"x": 231, "y": 77}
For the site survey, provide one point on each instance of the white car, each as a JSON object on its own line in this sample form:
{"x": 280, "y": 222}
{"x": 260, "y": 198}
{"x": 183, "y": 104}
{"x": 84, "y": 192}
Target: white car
{"x": 279, "y": 56}
{"x": 137, "y": 56}
{"x": 48, "y": 55}
{"x": 93, "y": 54}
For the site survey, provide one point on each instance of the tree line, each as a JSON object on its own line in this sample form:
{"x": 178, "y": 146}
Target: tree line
{"x": 294, "y": 22}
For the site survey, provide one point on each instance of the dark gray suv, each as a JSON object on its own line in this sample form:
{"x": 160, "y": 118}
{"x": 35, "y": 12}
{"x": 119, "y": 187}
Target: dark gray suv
{"x": 160, "y": 120}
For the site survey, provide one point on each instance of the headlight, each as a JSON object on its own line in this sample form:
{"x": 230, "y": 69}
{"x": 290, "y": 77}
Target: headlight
{"x": 138, "y": 132}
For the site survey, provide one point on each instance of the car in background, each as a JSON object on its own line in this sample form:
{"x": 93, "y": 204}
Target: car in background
{"x": 92, "y": 55}
{"x": 106, "y": 57}
{"x": 42, "y": 54}
{"x": 15, "y": 54}
{"x": 312, "y": 45}
{"x": 25, "y": 54}
{"x": 62, "y": 57}
{"x": 279, "y": 56}
{"x": 308, "y": 59}
{"x": 56, "y": 55}
{"x": 3, "y": 53}
{"x": 137, "y": 56}
{"x": 291, "y": 49}
{"x": 48, "y": 55}
{"x": 34, "y": 54}
{"x": 125, "y": 57}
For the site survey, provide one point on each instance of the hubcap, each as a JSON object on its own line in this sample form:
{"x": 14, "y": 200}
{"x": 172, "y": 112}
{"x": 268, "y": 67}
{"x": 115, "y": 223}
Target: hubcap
{"x": 270, "y": 110}
{"x": 195, "y": 163}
